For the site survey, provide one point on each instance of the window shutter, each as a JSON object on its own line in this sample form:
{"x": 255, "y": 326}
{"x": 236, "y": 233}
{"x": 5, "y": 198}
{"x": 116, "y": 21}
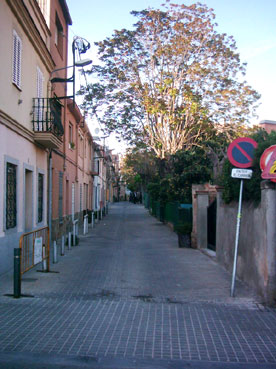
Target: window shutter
{"x": 17, "y": 56}
{"x": 39, "y": 83}
{"x": 39, "y": 94}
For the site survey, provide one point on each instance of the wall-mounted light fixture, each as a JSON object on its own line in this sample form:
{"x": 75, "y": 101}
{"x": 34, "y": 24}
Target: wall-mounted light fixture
{"x": 82, "y": 46}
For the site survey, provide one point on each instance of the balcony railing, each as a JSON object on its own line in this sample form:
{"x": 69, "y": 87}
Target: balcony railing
{"x": 94, "y": 169}
{"x": 47, "y": 125}
{"x": 47, "y": 116}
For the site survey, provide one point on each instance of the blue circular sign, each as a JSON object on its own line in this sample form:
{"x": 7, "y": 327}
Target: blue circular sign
{"x": 241, "y": 152}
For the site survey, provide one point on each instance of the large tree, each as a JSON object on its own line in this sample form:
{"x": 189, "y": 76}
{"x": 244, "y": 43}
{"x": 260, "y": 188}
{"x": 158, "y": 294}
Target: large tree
{"x": 171, "y": 80}
{"x": 139, "y": 167}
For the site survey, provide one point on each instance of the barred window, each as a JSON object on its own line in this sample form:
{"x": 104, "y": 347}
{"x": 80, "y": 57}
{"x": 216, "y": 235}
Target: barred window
{"x": 40, "y": 198}
{"x": 11, "y": 196}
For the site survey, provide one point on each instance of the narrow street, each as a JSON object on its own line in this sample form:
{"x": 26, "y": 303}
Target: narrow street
{"x": 128, "y": 297}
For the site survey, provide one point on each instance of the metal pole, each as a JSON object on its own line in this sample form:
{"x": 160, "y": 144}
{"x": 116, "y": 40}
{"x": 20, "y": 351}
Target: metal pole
{"x": 69, "y": 240}
{"x": 74, "y": 234}
{"x": 50, "y": 198}
{"x": 17, "y": 274}
{"x": 85, "y": 224}
{"x": 62, "y": 246}
{"x": 74, "y": 72}
{"x": 55, "y": 252}
{"x": 44, "y": 262}
{"x": 237, "y": 240}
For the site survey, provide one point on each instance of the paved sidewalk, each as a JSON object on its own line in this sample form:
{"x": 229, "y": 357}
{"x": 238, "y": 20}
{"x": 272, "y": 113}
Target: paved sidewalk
{"x": 128, "y": 292}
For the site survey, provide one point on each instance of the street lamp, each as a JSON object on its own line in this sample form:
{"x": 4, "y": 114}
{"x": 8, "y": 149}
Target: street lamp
{"x": 79, "y": 64}
{"x": 82, "y": 46}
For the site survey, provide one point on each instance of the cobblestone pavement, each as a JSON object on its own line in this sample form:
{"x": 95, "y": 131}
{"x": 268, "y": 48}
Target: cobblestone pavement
{"x": 128, "y": 297}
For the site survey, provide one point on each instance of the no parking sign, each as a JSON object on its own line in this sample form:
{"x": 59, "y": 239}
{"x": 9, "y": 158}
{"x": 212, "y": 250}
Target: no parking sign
{"x": 241, "y": 152}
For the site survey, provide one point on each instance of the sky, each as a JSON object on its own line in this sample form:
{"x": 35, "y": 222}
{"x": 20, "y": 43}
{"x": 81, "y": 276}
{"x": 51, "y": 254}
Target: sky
{"x": 252, "y": 23}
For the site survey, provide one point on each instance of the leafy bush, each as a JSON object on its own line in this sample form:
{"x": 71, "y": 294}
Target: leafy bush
{"x": 184, "y": 169}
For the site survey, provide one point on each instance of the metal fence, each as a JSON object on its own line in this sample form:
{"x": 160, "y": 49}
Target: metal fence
{"x": 34, "y": 248}
{"x": 171, "y": 212}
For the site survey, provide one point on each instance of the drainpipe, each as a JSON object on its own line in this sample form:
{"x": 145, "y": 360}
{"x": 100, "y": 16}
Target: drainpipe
{"x": 50, "y": 197}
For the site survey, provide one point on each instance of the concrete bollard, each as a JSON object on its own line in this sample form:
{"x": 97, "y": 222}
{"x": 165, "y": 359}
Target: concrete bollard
{"x": 55, "y": 252}
{"x": 69, "y": 240}
{"x": 44, "y": 261}
{"x": 62, "y": 250}
{"x": 92, "y": 220}
{"x": 85, "y": 224}
{"x": 16, "y": 274}
{"x": 75, "y": 231}
{"x": 74, "y": 235}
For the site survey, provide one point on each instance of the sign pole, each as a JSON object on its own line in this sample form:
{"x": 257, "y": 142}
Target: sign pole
{"x": 237, "y": 240}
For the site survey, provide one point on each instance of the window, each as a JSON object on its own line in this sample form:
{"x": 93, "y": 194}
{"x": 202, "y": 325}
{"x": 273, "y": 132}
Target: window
{"x": 81, "y": 198}
{"x": 40, "y": 198}
{"x": 45, "y": 9}
{"x": 73, "y": 201}
{"x": 86, "y": 196}
{"x": 11, "y": 196}
{"x": 17, "y": 57}
{"x": 71, "y": 137}
{"x": 81, "y": 146}
{"x": 59, "y": 36}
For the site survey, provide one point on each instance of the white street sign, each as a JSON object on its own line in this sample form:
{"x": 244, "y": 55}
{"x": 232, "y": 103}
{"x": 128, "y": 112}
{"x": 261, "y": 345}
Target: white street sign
{"x": 241, "y": 173}
{"x": 38, "y": 250}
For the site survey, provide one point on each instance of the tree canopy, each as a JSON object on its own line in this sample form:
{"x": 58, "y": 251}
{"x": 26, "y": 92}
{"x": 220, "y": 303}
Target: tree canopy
{"x": 170, "y": 81}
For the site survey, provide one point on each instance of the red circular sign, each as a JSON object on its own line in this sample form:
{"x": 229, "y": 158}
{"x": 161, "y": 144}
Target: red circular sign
{"x": 265, "y": 158}
{"x": 241, "y": 152}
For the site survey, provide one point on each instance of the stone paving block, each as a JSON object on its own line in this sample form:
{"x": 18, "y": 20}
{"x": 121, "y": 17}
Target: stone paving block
{"x": 129, "y": 291}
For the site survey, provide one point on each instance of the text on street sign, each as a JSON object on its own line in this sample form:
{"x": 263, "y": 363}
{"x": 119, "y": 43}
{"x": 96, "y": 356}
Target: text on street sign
{"x": 241, "y": 173}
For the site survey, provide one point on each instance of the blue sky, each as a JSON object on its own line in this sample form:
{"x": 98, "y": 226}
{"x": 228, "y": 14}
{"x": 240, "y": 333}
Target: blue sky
{"x": 251, "y": 22}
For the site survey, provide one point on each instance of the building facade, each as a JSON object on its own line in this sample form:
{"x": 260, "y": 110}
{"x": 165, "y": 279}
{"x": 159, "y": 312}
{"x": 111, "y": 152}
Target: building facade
{"x": 25, "y": 69}
{"x": 51, "y": 171}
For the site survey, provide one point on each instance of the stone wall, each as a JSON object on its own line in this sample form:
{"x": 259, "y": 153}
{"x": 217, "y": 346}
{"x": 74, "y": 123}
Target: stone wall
{"x": 202, "y": 196}
{"x": 256, "y": 264}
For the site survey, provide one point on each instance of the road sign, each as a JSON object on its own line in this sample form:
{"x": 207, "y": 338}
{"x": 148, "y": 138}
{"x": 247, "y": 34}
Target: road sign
{"x": 241, "y": 173}
{"x": 241, "y": 152}
{"x": 268, "y": 163}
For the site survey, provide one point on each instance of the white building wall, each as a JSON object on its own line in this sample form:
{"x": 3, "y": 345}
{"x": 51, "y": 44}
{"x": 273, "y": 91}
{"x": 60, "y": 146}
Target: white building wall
{"x": 17, "y": 144}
